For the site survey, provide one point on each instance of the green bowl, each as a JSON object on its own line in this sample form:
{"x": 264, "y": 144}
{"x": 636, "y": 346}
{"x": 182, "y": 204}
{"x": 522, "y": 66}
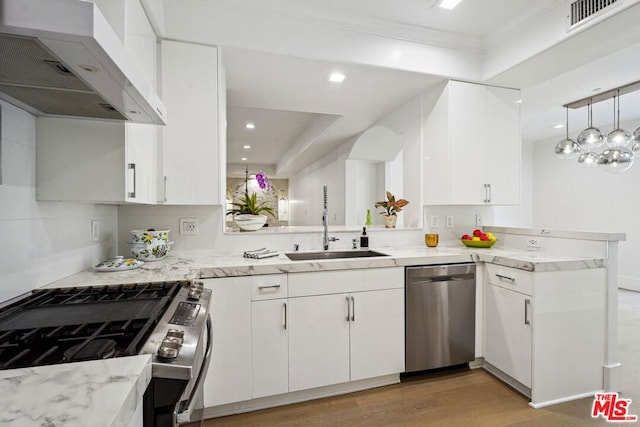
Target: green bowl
{"x": 478, "y": 244}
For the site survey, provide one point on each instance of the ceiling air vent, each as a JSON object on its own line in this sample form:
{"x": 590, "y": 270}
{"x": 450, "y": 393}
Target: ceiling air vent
{"x": 581, "y": 11}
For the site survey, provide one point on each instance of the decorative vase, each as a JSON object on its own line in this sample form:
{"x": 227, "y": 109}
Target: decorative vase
{"x": 390, "y": 221}
{"x": 248, "y": 222}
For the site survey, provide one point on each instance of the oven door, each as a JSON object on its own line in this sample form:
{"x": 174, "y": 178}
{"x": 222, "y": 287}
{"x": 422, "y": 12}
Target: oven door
{"x": 189, "y": 411}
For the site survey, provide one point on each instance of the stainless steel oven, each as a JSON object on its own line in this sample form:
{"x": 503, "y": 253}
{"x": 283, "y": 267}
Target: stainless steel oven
{"x": 168, "y": 320}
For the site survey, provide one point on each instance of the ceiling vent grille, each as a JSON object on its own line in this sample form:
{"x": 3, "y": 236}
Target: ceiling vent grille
{"x": 582, "y": 10}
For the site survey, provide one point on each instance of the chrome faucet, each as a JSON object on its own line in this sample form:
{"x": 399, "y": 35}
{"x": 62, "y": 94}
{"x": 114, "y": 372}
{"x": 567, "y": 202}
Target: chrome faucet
{"x": 325, "y": 223}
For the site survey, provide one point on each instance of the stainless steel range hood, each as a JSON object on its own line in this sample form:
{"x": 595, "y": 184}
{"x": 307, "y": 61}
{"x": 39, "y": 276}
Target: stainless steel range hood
{"x": 61, "y": 58}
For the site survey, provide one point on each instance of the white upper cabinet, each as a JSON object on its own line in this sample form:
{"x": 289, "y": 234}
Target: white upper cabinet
{"x": 101, "y": 161}
{"x": 471, "y": 145}
{"x": 193, "y": 142}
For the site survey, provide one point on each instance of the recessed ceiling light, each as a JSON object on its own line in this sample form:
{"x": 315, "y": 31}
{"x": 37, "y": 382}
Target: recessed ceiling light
{"x": 246, "y": 147}
{"x": 558, "y": 126}
{"x": 250, "y": 125}
{"x": 244, "y": 159}
{"x": 449, "y": 4}
{"x": 337, "y": 77}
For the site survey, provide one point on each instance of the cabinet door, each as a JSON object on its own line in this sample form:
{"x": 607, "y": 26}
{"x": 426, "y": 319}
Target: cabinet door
{"x": 467, "y": 136}
{"x": 269, "y": 348}
{"x": 229, "y": 377}
{"x": 377, "y": 333}
{"x": 507, "y": 336}
{"x": 318, "y": 341}
{"x": 142, "y": 153}
{"x": 503, "y": 145}
{"x": 190, "y": 152}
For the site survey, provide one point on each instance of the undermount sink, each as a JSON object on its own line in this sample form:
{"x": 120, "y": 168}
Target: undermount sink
{"x": 308, "y": 256}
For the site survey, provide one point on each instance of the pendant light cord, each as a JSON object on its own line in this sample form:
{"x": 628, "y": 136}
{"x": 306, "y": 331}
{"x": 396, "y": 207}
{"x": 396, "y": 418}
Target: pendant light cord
{"x": 567, "y": 126}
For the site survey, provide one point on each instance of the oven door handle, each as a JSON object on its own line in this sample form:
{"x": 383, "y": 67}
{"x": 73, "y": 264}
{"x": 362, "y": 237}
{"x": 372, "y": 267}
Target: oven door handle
{"x": 185, "y": 414}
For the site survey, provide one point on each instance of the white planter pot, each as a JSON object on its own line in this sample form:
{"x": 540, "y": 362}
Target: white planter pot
{"x": 250, "y": 222}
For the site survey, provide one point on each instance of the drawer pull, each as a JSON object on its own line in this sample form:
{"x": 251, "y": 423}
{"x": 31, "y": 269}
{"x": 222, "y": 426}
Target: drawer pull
{"x": 511, "y": 279}
{"x": 262, "y": 287}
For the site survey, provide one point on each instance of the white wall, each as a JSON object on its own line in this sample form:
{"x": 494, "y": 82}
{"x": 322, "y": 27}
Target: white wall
{"x": 41, "y": 241}
{"x": 306, "y": 192}
{"x": 568, "y": 197}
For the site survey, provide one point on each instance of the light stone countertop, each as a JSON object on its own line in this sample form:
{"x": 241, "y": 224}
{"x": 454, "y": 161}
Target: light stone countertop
{"x": 177, "y": 266}
{"x": 96, "y": 393}
{"x": 106, "y": 392}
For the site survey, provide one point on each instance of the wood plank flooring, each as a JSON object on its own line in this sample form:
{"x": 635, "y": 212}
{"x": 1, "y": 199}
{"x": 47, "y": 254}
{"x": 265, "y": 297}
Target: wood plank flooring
{"x": 459, "y": 397}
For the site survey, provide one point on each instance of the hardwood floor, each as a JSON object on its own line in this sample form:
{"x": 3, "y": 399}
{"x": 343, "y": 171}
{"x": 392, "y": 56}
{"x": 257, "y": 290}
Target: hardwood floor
{"x": 460, "y": 397}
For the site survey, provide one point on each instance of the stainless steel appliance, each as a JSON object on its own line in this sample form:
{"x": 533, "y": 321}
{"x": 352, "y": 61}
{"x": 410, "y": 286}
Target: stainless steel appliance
{"x": 440, "y": 305}
{"x": 169, "y": 320}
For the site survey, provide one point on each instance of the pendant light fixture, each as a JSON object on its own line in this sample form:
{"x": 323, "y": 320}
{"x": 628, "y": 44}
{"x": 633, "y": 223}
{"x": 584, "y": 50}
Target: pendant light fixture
{"x": 621, "y": 146}
{"x": 591, "y": 138}
{"x": 567, "y": 148}
{"x": 618, "y": 137}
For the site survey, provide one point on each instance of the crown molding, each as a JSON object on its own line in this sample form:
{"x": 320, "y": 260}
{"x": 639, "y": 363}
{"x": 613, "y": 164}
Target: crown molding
{"x": 294, "y": 11}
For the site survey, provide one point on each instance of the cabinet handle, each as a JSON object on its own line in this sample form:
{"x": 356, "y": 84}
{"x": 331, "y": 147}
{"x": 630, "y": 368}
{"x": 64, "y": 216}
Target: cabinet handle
{"x": 132, "y": 167}
{"x": 489, "y": 198}
{"x": 285, "y": 315}
{"x": 348, "y": 310}
{"x": 353, "y": 309}
{"x": 511, "y": 279}
{"x": 527, "y": 304}
{"x": 261, "y": 287}
{"x": 164, "y": 189}
{"x": 485, "y": 192}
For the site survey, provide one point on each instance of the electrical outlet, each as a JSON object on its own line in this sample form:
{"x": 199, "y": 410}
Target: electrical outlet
{"x": 434, "y": 221}
{"x": 449, "y": 221}
{"x": 478, "y": 220}
{"x": 95, "y": 230}
{"x": 533, "y": 242}
{"x": 188, "y": 225}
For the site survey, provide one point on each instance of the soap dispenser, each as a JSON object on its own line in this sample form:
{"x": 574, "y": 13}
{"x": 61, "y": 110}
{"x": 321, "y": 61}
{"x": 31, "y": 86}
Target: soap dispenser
{"x": 364, "y": 239}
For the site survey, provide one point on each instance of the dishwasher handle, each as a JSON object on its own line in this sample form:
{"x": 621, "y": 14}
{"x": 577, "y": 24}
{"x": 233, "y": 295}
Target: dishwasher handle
{"x": 446, "y": 278}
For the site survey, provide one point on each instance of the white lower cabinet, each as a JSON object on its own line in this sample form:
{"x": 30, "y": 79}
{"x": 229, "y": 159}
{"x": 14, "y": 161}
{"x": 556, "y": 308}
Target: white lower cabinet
{"x": 345, "y": 336}
{"x": 318, "y": 341}
{"x": 229, "y": 377}
{"x": 508, "y": 332}
{"x": 269, "y": 347}
{"x": 546, "y": 331}
{"x": 377, "y": 333}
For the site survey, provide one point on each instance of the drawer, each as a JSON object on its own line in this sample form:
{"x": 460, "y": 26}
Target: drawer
{"x": 345, "y": 281}
{"x": 268, "y": 286}
{"x": 510, "y": 278}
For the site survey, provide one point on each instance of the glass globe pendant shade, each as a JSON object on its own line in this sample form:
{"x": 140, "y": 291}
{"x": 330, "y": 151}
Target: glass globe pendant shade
{"x": 618, "y": 138}
{"x": 567, "y": 149}
{"x": 635, "y": 142}
{"x": 588, "y": 159}
{"x": 591, "y": 138}
{"x": 616, "y": 160}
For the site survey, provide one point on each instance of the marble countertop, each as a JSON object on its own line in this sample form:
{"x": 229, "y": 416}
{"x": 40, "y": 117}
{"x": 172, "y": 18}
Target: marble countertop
{"x": 106, "y": 392}
{"x": 178, "y": 266}
{"x": 96, "y": 393}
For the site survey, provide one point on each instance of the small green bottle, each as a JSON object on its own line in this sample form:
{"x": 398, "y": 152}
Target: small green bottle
{"x": 368, "y": 221}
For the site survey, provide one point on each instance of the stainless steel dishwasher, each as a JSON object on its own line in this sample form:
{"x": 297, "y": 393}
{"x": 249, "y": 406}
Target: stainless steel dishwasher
{"x": 440, "y": 304}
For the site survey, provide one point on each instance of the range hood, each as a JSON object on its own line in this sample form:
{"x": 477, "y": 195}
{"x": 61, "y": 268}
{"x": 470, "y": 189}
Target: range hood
{"x": 61, "y": 58}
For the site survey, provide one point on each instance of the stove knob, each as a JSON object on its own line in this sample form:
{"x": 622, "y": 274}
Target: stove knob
{"x": 169, "y": 348}
{"x": 176, "y": 334}
{"x": 195, "y": 290}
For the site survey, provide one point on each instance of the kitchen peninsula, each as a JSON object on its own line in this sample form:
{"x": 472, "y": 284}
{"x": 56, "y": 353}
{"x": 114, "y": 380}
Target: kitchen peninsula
{"x": 568, "y": 291}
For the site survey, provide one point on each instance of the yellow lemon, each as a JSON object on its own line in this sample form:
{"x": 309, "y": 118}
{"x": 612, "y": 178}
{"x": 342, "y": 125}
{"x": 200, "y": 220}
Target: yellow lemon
{"x": 475, "y": 238}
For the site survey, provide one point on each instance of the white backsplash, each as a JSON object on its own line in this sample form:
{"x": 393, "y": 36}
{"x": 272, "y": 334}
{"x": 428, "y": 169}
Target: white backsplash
{"x": 41, "y": 241}
{"x": 211, "y": 236}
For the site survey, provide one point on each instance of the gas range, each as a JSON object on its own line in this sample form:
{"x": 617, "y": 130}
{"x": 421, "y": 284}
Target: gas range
{"x": 167, "y": 320}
